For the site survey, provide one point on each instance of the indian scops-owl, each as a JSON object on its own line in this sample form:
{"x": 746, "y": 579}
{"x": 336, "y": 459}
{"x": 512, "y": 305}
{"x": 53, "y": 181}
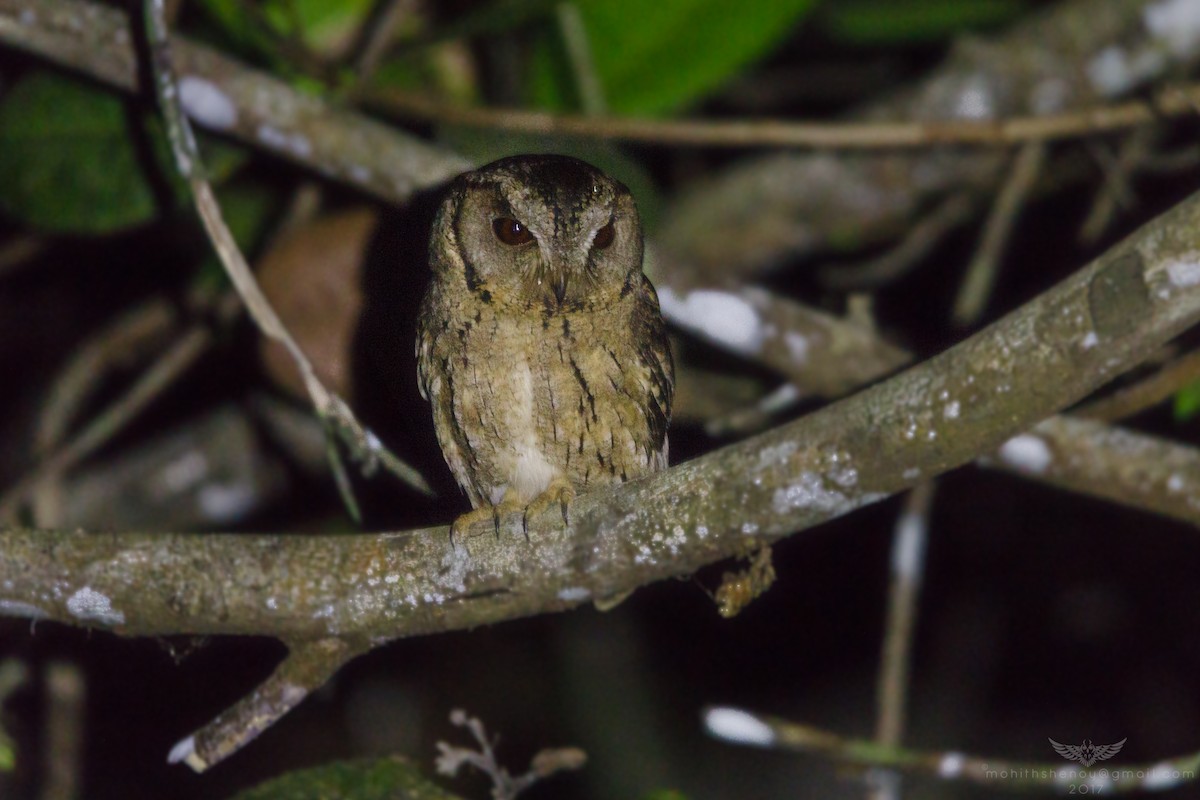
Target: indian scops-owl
{"x": 540, "y": 344}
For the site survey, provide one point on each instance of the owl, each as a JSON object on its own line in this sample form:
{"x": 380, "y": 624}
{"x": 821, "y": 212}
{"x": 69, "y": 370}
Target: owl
{"x": 540, "y": 344}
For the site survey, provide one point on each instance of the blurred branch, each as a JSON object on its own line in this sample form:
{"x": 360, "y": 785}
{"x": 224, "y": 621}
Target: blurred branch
{"x": 759, "y": 730}
{"x": 1168, "y": 103}
{"x": 65, "y": 719}
{"x": 1145, "y": 393}
{"x": 18, "y": 251}
{"x": 1069, "y": 56}
{"x": 1126, "y": 467}
{"x": 980, "y": 275}
{"x": 907, "y": 573}
{"x": 1116, "y": 193}
{"x": 821, "y": 353}
{"x": 919, "y": 242}
{"x": 130, "y": 337}
{"x": 101, "y": 428}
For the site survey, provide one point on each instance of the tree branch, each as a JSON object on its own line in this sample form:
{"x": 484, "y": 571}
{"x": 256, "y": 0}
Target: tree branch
{"x": 1129, "y": 468}
{"x": 1171, "y": 102}
{"x": 942, "y": 413}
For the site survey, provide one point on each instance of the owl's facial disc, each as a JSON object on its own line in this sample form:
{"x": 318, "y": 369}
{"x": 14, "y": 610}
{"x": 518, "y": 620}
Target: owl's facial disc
{"x": 549, "y": 232}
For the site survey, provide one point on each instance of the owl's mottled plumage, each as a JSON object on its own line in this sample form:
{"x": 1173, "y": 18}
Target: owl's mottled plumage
{"x": 540, "y": 345}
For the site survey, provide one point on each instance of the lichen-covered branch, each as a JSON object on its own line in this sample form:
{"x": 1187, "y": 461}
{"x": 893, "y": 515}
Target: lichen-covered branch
{"x": 820, "y": 353}
{"x": 940, "y": 414}
{"x": 307, "y": 667}
{"x": 1130, "y": 468}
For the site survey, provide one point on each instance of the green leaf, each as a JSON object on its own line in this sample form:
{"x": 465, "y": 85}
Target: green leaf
{"x": 238, "y": 30}
{"x": 657, "y": 58}
{"x": 913, "y": 21}
{"x": 70, "y": 160}
{"x": 1187, "y": 402}
{"x": 665, "y": 794}
{"x": 323, "y": 26}
{"x": 366, "y": 779}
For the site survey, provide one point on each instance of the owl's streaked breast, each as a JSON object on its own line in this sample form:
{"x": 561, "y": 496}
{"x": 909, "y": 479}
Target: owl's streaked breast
{"x": 537, "y": 398}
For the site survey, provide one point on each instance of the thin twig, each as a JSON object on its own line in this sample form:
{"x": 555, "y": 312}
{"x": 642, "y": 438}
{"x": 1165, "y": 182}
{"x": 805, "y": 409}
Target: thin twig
{"x": 1181, "y": 160}
{"x": 1115, "y": 193}
{"x": 920, "y": 240}
{"x": 181, "y": 355}
{"x": 19, "y": 251}
{"x": 332, "y": 410}
{"x": 981, "y": 272}
{"x": 756, "y": 416}
{"x": 737, "y": 726}
{"x": 1146, "y": 393}
{"x": 120, "y": 343}
{"x": 904, "y": 590}
{"x": 1168, "y": 103}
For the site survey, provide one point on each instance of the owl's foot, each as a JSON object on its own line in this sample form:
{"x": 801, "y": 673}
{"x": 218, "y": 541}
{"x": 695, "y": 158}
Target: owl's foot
{"x": 559, "y": 491}
{"x": 507, "y": 506}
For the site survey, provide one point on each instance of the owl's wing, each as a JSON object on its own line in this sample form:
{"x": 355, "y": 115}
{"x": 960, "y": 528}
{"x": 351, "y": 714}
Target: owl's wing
{"x": 654, "y": 353}
{"x": 437, "y": 387}
{"x": 424, "y": 354}
{"x": 1105, "y": 751}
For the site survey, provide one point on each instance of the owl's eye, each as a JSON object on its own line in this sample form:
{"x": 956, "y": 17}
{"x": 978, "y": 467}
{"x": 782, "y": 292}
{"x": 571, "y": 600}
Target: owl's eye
{"x": 604, "y": 237}
{"x": 511, "y": 232}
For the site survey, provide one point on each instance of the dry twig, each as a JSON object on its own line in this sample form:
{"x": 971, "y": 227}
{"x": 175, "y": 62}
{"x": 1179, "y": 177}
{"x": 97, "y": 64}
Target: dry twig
{"x": 980, "y": 276}
{"x": 333, "y": 411}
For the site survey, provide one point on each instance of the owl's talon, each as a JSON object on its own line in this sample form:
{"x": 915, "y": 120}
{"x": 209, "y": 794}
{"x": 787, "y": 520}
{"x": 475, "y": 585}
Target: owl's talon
{"x": 495, "y": 514}
{"x": 559, "y": 491}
